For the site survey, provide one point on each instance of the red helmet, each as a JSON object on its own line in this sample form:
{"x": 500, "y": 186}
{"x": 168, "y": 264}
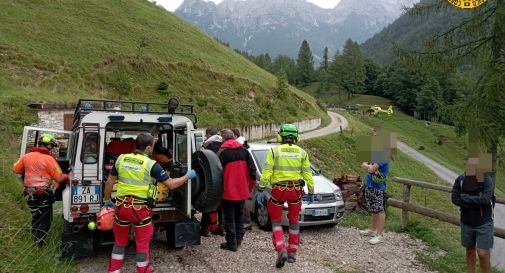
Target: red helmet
{"x": 105, "y": 218}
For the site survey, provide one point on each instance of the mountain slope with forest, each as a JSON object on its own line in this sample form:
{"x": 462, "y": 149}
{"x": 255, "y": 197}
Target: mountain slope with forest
{"x": 410, "y": 32}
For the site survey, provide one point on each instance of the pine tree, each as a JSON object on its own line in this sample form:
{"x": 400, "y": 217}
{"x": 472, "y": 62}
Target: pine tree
{"x": 481, "y": 36}
{"x": 305, "y": 64}
{"x": 324, "y": 63}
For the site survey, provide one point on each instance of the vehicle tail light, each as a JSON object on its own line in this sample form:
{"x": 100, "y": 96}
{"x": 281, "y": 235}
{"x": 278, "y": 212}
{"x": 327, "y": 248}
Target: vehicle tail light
{"x": 84, "y": 208}
{"x": 74, "y": 209}
{"x": 75, "y": 181}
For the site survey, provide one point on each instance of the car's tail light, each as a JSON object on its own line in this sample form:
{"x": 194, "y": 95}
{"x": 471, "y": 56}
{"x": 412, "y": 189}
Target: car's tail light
{"x": 84, "y": 208}
{"x": 74, "y": 209}
{"x": 75, "y": 181}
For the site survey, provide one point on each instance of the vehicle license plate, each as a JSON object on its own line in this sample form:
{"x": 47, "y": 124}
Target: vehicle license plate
{"x": 320, "y": 212}
{"x": 85, "y": 194}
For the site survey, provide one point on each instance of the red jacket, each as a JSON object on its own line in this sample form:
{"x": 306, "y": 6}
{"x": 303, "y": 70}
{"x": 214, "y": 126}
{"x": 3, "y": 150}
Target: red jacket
{"x": 239, "y": 170}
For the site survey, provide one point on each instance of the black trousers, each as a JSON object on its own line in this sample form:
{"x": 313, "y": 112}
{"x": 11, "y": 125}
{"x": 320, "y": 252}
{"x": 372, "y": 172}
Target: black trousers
{"x": 233, "y": 221}
{"x": 41, "y": 206}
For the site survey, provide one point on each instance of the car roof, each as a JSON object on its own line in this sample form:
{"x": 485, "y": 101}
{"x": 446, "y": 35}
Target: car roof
{"x": 262, "y": 146}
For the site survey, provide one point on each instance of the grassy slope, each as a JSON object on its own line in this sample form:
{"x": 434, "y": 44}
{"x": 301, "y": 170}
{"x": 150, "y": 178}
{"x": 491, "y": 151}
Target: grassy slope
{"x": 335, "y": 154}
{"x": 425, "y": 136}
{"x": 63, "y": 50}
{"x": 66, "y": 49}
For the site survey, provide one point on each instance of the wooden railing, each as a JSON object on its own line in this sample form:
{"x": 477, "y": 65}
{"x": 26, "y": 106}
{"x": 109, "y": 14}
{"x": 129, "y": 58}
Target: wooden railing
{"x": 407, "y": 207}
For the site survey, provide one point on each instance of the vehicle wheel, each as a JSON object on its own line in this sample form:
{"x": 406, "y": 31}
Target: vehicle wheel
{"x": 262, "y": 218}
{"x": 207, "y": 187}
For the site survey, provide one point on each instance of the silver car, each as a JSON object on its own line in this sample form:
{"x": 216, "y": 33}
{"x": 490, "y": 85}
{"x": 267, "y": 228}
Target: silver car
{"x": 327, "y": 209}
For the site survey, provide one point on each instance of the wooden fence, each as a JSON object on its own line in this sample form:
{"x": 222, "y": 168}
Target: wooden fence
{"x": 406, "y": 206}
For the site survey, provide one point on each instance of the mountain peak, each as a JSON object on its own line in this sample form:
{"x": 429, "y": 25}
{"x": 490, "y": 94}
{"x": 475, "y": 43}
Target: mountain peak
{"x": 278, "y": 27}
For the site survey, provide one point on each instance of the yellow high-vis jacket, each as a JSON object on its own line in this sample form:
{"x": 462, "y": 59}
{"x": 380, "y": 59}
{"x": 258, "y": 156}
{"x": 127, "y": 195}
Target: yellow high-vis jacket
{"x": 287, "y": 163}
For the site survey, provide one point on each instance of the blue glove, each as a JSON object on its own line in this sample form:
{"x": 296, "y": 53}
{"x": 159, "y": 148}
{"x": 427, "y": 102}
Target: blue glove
{"x": 109, "y": 204}
{"x": 261, "y": 199}
{"x": 191, "y": 174}
{"x": 310, "y": 199}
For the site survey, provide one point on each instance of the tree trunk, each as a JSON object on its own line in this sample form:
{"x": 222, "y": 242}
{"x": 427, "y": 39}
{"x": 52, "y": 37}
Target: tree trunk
{"x": 494, "y": 154}
{"x": 498, "y": 48}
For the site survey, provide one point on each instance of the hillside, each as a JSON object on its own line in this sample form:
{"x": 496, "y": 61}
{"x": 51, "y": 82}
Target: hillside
{"x": 437, "y": 141}
{"x": 410, "y": 32}
{"x": 62, "y": 50}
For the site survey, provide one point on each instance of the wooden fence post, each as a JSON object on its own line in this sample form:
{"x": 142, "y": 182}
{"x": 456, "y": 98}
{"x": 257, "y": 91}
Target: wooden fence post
{"x": 406, "y": 199}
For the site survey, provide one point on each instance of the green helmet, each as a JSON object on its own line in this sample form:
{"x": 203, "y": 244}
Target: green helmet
{"x": 47, "y": 139}
{"x": 288, "y": 130}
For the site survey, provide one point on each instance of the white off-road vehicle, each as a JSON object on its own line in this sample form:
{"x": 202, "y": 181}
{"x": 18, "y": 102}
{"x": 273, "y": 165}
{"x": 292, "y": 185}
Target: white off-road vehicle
{"x": 104, "y": 129}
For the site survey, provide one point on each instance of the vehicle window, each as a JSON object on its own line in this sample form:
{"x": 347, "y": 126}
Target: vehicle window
{"x": 198, "y": 141}
{"x": 59, "y": 152}
{"x": 91, "y": 148}
{"x": 261, "y": 155}
{"x": 181, "y": 147}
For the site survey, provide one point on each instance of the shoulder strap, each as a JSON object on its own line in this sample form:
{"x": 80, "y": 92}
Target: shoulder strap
{"x": 220, "y": 151}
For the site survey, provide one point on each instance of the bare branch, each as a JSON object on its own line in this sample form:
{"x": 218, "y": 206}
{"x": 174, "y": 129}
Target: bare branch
{"x": 491, "y": 12}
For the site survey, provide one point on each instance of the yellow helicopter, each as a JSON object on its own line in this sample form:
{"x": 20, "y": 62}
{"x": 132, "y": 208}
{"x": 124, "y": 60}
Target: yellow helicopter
{"x": 376, "y": 110}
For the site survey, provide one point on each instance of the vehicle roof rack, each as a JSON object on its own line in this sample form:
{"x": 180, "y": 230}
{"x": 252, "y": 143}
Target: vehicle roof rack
{"x": 86, "y": 106}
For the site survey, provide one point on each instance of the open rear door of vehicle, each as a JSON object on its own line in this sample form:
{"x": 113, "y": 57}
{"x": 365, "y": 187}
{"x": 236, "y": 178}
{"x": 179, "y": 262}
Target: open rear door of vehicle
{"x": 61, "y": 153}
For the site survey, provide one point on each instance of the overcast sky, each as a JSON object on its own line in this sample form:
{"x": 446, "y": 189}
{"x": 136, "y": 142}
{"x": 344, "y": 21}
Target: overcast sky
{"x": 173, "y": 4}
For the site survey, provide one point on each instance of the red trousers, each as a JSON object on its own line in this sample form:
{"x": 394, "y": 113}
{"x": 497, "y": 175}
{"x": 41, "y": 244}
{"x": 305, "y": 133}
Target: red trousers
{"x": 280, "y": 195}
{"x": 140, "y": 218}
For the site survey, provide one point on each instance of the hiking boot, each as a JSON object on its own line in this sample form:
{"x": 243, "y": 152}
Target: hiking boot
{"x": 248, "y": 226}
{"x": 367, "y": 232}
{"x": 227, "y": 247}
{"x": 377, "y": 239}
{"x": 282, "y": 256}
{"x": 205, "y": 233}
{"x": 291, "y": 257}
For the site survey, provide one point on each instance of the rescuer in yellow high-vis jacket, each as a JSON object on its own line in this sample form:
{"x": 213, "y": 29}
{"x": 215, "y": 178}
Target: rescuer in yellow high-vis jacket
{"x": 136, "y": 174}
{"x": 286, "y": 169}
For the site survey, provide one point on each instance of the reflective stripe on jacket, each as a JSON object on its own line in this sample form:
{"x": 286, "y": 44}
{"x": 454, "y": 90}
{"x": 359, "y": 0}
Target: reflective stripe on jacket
{"x": 287, "y": 163}
{"x": 38, "y": 169}
{"x": 134, "y": 175}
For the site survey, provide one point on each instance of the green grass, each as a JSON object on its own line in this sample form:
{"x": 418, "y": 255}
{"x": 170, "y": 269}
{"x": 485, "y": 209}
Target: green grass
{"x": 326, "y": 97}
{"x": 438, "y": 141}
{"x": 63, "y": 50}
{"x": 18, "y": 251}
{"x": 335, "y": 154}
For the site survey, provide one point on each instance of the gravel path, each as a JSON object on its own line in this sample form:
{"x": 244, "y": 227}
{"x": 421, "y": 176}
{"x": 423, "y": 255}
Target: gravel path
{"x": 324, "y": 249}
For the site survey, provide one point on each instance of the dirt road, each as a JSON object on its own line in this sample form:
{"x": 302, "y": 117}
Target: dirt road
{"x": 324, "y": 249}
{"x": 337, "y": 123}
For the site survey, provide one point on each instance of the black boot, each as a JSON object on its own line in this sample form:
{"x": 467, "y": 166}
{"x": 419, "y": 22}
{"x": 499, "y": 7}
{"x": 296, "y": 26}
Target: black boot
{"x": 282, "y": 256}
{"x": 227, "y": 247}
{"x": 291, "y": 257}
